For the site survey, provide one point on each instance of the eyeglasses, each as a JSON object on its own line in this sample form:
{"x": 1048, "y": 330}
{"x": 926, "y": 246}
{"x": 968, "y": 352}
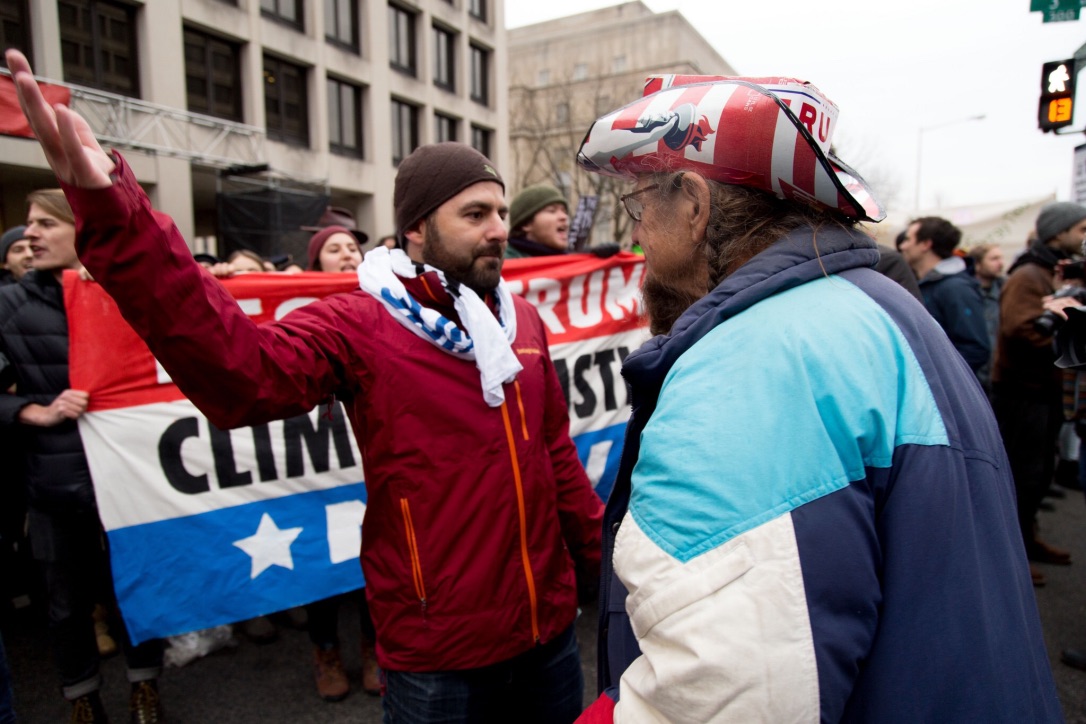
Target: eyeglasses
{"x": 634, "y": 206}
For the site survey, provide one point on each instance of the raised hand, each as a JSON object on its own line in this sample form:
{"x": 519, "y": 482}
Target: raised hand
{"x": 67, "y": 140}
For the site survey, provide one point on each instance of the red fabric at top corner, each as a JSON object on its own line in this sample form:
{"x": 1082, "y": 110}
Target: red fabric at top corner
{"x": 12, "y": 121}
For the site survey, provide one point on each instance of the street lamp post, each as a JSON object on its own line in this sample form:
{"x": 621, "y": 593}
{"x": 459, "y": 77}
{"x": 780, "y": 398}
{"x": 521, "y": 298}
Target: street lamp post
{"x": 920, "y": 149}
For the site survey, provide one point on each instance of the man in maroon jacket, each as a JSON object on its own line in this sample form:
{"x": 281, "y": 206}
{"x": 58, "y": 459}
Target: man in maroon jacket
{"x": 480, "y": 518}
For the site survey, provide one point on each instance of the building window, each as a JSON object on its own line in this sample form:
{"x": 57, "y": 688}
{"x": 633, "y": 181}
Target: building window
{"x": 561, "y": 113}
{"x": 285, "y": 105}
{"x": 480, "y": 140}
{"x": 341, "y": 23}
{"x": 401, "y": 39}
{"x": 543, "y": 78}
{"x": 288, "y": 12}
{"x": 444, "y": 128}
{"x": 345, "y": 118}
{"x": 480, "y": 74}
{"x": 477, "y": 9}
{"x": 98, "y": 45}
{"x": 444, "y": 58}
{"x": 580, "y": 71}
{"x": 212, "y": 75}
{"x": 619, "y": 64}
{"x": 15, "y": 26}
{"x": 405, "y": 130}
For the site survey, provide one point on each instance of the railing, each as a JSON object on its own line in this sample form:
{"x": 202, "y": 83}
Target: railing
{"x": 125, "y": 122}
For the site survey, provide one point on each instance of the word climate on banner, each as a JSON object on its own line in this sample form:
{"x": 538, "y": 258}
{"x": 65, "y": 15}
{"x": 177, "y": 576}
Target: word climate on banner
{"x": 210, "y": 526}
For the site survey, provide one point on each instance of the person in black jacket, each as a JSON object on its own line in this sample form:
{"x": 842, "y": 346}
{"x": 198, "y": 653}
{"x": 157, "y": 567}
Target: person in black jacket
{"x": 950, "y": 292}
{"x": 65, "y": 532}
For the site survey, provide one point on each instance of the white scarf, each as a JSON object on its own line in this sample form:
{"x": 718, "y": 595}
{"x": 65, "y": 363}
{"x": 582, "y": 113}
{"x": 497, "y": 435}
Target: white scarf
{"x": 485, "y": 339}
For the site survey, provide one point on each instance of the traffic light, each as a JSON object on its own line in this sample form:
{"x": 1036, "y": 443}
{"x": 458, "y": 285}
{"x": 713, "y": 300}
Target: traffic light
{"x": 1057, "y": 95}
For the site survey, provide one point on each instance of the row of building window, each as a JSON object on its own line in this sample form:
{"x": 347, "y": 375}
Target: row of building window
{"x": 403, "y": 54}
{"x": 405, "y": 131}
{"x": 98, "y": 48}
{"x": 341, "y": 16}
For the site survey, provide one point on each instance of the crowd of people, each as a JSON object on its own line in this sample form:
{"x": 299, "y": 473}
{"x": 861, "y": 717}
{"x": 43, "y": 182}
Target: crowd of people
{"x": 875, "y": 563}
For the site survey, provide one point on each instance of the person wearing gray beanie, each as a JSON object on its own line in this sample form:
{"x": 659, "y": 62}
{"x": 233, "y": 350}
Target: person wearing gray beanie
{"x": 16, "y": 258}
{"x": 1058, "y": 217}
{"x": 1026, "y": 385}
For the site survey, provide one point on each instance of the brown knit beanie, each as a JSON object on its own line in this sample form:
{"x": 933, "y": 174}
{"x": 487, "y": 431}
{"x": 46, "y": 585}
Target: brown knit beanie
{"x": 432, "y": 175}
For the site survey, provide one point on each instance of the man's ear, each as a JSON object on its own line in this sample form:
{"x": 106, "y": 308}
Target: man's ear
{"x": 416, "y": 236}
{"x": 696, "y": 194}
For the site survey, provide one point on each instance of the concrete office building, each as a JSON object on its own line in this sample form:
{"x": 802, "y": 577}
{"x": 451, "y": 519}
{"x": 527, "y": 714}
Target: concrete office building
{"x": 331, "y": 93}
{"x": 564, "y": 73}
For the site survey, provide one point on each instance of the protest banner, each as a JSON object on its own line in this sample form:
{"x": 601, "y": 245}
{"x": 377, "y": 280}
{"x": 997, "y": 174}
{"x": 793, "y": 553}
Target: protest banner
{"x": 211, "y": 526}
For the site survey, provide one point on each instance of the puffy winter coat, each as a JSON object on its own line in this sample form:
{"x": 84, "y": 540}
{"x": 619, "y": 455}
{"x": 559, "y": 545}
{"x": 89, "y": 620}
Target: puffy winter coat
{"x": 34, "y": 340}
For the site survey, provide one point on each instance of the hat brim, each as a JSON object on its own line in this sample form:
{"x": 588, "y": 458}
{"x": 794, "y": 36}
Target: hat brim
{"x": 732, "y": 131}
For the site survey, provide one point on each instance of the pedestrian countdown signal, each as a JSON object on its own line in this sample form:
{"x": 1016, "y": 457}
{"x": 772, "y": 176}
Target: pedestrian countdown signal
{"x": 1057, "y": 107}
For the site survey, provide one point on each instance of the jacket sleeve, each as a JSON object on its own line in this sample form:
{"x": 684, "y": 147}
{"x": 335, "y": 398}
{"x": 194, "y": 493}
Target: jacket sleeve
{"x": 1020, "y": 303}
{"x": 235, "y": 372}
{"x": 580, "y": 510}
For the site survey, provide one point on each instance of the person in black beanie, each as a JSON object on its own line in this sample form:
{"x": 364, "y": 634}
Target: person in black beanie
{"x": 16, "y": 259}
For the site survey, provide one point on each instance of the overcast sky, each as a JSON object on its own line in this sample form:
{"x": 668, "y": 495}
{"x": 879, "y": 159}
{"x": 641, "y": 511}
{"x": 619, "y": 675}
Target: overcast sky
{"x": 896, "y": 69}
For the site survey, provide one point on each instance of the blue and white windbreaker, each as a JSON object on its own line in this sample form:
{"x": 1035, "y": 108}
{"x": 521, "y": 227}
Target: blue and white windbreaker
{"x": 814, "y": 517}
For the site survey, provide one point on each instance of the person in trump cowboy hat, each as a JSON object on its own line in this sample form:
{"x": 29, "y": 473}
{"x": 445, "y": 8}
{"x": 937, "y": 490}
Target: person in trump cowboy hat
{"x": 813, "y": 518}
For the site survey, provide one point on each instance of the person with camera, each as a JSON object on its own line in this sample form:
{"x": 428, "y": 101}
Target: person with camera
{"x": 1026, "y": 385}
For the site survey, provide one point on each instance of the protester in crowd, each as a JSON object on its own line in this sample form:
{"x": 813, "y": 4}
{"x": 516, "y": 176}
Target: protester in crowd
{"x": 861, "y": 565}
{"x": 65, "y": 534}
{"x": 335, "y": 249}
{"x": 16, "y": 258}
{"x": 988, "y": 269}
{"x": 388, "y": 241}
{"x": 480, "y": 519}
{"x": 1026, "y": 386}
{"x": 538, "y": 223}
{"x": 244, "y": 261}
{"x": 950, "y": 293}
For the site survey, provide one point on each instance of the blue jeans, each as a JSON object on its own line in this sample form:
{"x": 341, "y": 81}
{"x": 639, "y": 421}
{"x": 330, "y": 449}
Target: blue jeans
{"x": 543, "y": 685}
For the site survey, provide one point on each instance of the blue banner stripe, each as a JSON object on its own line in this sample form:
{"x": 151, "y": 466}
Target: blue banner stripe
{"x": 185, "y": 574}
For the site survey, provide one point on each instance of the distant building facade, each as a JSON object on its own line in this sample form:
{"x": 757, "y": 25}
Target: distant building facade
{"x": 565, "y": 73}
{"x": 332, "y": 93}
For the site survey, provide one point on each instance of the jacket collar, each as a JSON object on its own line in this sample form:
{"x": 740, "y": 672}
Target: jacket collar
{"x": 44, "y": 286}
{"x": 803, "y": 255}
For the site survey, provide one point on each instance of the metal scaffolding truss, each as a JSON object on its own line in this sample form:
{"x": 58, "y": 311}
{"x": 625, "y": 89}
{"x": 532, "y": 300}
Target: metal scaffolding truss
{"x": 129, "y": 123}
{"x": 124, "y": 122}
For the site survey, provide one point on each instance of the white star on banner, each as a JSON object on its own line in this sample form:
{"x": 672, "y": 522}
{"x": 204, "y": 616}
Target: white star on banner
{"x": 269, "y": 546}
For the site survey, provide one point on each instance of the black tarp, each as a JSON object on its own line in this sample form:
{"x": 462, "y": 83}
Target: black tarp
{"x": 268, "y": 220}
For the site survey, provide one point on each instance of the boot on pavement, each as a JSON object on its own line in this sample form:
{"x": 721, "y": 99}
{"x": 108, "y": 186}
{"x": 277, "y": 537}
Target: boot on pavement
{"x": 88, "y": 709}
{"x": 144, "y": 705}
{"x": 332, "y": 684}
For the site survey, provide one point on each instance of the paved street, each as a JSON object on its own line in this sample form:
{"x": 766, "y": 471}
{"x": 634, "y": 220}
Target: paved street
{"x": 271, "y": 684}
